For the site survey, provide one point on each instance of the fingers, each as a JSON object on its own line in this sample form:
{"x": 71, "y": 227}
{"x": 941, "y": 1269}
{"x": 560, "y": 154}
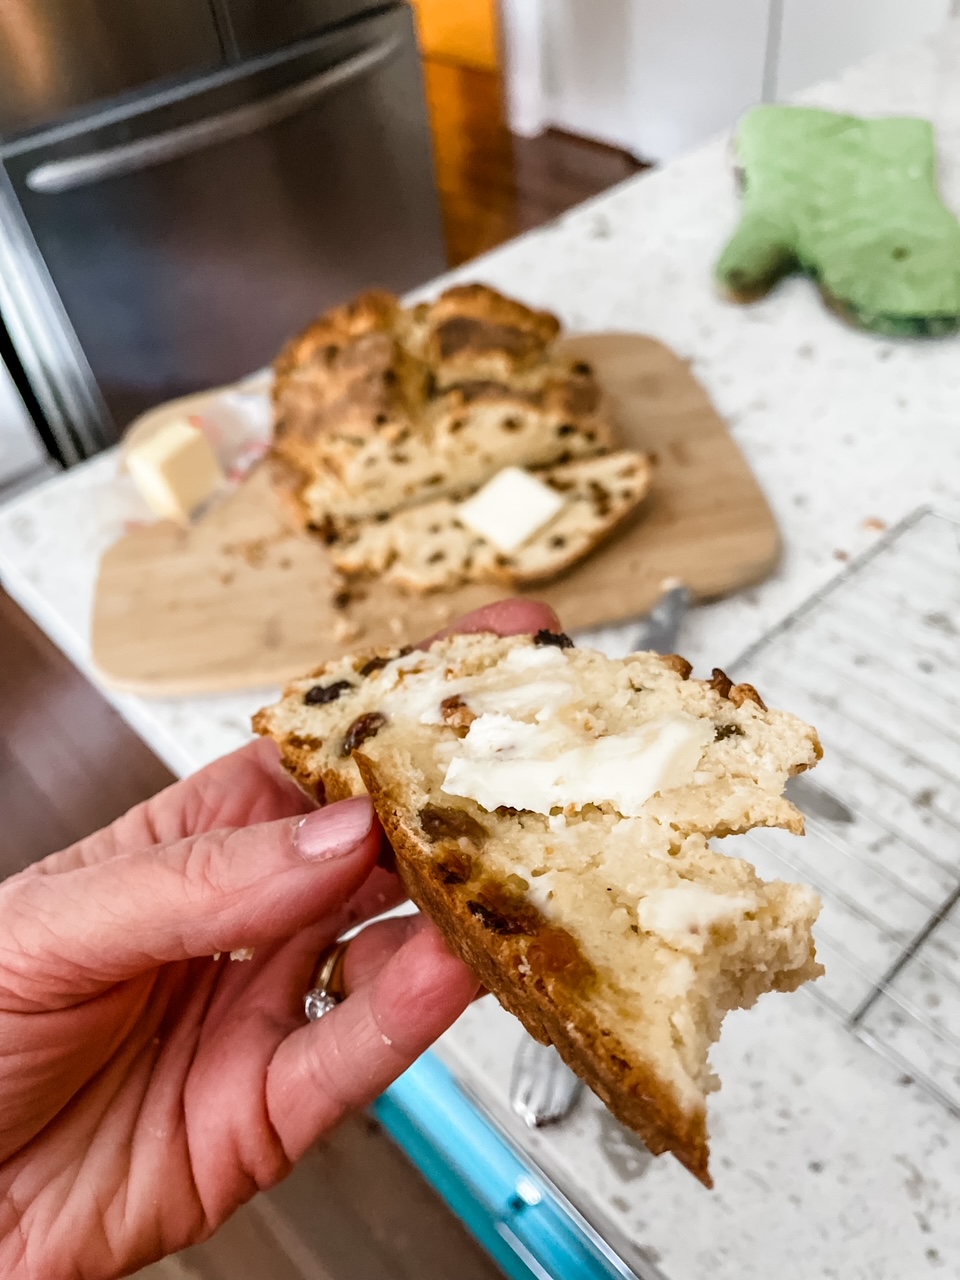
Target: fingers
{"x": 348, "y": 1058}
{"x": 250, "y": 786}
{"x": 226, "y": 874}
{"x": 506, "y": 618}
{"x": 380, "y": 892}
{"x": 217, "y": 891}
{"x": 244, "y": 787}
{"x": 368, "y": 952}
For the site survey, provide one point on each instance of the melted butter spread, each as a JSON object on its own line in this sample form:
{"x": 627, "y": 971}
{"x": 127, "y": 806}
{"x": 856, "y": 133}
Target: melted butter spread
{"x": 542, "y": 767}
{"x": 529, "y": 749}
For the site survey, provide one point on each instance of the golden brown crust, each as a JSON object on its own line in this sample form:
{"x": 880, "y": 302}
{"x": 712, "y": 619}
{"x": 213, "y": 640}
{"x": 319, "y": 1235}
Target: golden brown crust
{"x": 481, "y": 302}
{"x": 473, "y": 322}
{"x": 741, "y": 693}
{"x": 534, "y": 967}
{"x": 371, "y": 385}
{"x": 374, "y": 311}
{"x": 515, "y": 967}
{"x": 679, "y": 664}
{"x": 347, "y": 371}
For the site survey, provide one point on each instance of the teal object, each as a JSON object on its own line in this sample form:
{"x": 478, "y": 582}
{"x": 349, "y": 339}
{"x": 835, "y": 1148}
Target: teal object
{"x": 522, "y": 1221}
{"x": 853, "y": 203}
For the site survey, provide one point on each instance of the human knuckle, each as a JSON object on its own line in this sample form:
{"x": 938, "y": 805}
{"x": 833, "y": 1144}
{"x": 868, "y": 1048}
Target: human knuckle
{"x": 334, "y": 1074}
{"x": 205, "y": 869}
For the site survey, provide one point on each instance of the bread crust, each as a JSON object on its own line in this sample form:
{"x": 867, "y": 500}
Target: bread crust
{"x": 544, "y": 1002}
{"x": 374, "y": 311}
{"x": 427, "y": 548}
{"x": 370, "y": 399}
{"x": 473, "y": 324}
{"x": 532, "y": 965}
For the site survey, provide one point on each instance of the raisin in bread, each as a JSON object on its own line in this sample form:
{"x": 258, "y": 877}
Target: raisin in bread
{"x": 550, "y": 808}
{"x": 429, "y": 548}
{"x": 377, "y": 407}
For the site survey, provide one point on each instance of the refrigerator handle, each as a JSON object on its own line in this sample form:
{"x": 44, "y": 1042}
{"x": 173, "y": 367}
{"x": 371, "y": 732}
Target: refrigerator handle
{"x": 78, "y": 171}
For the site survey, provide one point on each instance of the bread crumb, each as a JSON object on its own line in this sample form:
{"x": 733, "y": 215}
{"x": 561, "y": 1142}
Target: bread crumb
{"x": 346, "y": 630}
{"x": 386, "y": 1039}
{"x": 875, "y": 524}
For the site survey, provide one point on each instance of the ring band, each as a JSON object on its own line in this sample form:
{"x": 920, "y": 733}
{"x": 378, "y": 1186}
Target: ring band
{"x": 326, "y": 989}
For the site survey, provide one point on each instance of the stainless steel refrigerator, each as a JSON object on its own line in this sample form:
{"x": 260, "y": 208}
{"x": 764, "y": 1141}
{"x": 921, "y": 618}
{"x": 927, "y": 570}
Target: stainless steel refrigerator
{"x": 184, "y": 183}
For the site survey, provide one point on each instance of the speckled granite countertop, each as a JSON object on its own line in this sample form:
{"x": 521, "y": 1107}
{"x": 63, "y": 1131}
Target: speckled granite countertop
{"x": 827, "y": 1164}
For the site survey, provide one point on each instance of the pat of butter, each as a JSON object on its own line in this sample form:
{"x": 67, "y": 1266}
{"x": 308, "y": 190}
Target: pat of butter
{"x": 683, "y": 914}
{"x": 175, "y": 469}
{"x": 510, "y": 508}
{"x": 502, "y": 761}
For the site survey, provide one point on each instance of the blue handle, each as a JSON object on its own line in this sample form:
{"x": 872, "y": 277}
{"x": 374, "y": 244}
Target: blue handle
{"x": 507, "y": 1205}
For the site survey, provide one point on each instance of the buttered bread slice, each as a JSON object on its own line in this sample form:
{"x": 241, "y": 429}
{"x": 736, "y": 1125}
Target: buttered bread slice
{"x": 550, "y": 809}
{"x": 435, "y": 546}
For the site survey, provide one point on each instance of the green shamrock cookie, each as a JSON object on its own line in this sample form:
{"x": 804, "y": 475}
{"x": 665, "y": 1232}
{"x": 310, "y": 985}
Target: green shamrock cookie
{"x": 854, "y": 204}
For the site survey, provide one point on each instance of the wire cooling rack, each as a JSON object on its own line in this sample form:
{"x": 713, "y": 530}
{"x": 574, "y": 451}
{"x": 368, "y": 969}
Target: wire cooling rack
{"x": 873, "y": 661}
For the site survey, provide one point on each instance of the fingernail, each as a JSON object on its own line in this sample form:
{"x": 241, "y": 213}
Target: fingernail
{"x": 335, "y": 830}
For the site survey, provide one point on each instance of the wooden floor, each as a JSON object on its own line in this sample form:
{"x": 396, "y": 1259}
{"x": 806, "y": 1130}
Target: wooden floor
{"x": 355, "y": 1209}
{"x": 68, "y": 763}
{"x": 493, "y": 186}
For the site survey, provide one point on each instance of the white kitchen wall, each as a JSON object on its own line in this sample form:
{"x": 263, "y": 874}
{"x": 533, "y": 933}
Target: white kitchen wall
{"x": 587, "y": 66}
{"x": 818, "y": 38}
{"x": 658, "y": 76}
{"x": 696, "y": 66}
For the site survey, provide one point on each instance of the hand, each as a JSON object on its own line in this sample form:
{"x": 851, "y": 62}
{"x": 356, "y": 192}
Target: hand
{"x": 148, "y": 1089}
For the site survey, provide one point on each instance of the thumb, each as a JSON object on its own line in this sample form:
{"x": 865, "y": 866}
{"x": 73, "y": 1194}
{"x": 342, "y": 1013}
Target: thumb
{"x": 216, "y": 891}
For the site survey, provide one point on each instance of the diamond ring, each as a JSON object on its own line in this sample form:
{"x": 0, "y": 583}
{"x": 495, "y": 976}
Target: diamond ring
{"x": 326, "y": 990}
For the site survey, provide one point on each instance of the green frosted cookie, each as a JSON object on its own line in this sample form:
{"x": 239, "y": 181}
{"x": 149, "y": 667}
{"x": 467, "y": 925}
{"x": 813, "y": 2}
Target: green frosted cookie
{"x": 853, "y": 203}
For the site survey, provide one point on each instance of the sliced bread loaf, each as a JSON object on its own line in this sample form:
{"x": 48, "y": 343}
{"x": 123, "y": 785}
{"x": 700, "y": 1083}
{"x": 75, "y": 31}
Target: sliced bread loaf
{"x": 429, "y": 548}
{"x": 550, "y": 809}
{"x": 377, "y": 408}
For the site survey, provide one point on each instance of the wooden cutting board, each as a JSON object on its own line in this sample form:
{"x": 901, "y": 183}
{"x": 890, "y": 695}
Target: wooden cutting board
{"x": 240, "y": 599}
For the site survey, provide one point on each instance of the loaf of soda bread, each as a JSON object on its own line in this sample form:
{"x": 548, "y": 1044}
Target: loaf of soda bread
{"x": 378, "y": 407}
{"x": 430, "y": 548}
{"x": 550, "y": 809}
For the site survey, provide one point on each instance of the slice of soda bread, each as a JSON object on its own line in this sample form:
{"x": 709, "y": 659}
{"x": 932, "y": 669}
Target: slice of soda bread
{"x": 377, "y": 407}
{"x": 429, "y": 548}
{"x": 550, "y": 809}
